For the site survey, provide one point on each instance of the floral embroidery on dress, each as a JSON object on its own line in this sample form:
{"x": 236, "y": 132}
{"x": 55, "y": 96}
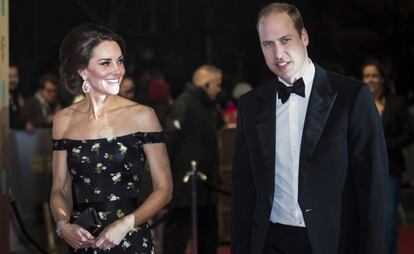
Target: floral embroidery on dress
{"x": 130, "y": 185}
{"x": 120, "y": 214}
{"x": 112, "y": 197}
{"x": 76, "y": 151}
{"x": 123, "y": 149}
{"x": 85, "y": 159}
{"x": 96, "y": 148}
{"x": 99, "y": 167}
{"x": 110, "y": 157}
{"x": 145, "y": 242}
{"x": 86, "y": 180}
{"x": 104, "y": 215}
{"x": 116, "y": 177}
{"x": 125, "y": 244}
{"x": 134, "y": 230}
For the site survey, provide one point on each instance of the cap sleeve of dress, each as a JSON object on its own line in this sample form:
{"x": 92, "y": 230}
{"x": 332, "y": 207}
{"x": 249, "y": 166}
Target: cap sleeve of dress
{"x": 59, "y": 144}
{"x": 152, "y": 137}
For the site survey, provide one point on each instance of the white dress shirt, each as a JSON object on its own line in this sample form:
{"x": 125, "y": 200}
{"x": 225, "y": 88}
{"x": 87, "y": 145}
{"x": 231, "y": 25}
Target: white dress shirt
{"x": 290, "y": 118}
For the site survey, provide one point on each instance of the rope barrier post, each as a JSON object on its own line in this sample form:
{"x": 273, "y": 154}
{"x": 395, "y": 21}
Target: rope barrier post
{"x": 194, "y": 222}
{"x": 194, "y": 174}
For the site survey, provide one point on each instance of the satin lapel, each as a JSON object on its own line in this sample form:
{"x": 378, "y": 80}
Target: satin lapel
{"x": 265, "y": 125}
{"x": 320, "y": 104}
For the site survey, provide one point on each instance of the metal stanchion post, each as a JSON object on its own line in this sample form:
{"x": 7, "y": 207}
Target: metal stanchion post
{"x": 194, "y": 174}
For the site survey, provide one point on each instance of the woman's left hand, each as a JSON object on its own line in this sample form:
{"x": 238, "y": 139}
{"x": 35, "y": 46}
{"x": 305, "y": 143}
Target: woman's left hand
{"x": 113, "y": 234}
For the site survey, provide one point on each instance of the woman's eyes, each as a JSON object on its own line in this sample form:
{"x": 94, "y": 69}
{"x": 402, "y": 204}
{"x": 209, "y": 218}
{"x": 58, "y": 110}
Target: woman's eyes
{"x": 107, "y": 63}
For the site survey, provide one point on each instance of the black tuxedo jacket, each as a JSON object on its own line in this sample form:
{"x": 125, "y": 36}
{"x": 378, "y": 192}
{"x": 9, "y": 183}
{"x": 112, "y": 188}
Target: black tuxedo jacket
{"x": 342, "y": 169}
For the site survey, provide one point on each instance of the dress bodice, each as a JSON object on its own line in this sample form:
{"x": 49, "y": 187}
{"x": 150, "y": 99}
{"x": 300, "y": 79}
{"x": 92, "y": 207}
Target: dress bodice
{"x": 106, "y": 169}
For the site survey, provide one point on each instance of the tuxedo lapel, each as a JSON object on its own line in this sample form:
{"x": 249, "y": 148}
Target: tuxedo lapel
{"x": 265, "y": 125}
{"x": 320, "y": 104}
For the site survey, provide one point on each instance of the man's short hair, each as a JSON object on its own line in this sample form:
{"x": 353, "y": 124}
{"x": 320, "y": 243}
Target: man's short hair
{"x": 290, "y": 10}
{"x": 48, "y": 77}
{"x": 200, "y": 77}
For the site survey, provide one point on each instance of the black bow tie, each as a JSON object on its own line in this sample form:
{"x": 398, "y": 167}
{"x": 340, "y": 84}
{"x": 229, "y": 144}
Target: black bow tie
{"x": 284, "y": 91}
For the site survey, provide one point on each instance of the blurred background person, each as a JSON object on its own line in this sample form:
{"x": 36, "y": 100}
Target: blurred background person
{"x": 191, "y": 134}
{"x": 143, "y": 82}
{"x": 41, "y": 108}
{"x": 398, "y": 134}
{"x": 16, "y": 99}
{"x": 159, "y": 98}
{"x": 239, "y": 89}
{"x": 230, "y": 111}
{"x": 127, "y": 89}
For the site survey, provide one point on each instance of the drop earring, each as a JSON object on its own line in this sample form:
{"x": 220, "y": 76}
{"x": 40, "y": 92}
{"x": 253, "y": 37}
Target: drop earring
{"x": 85, "y": 86}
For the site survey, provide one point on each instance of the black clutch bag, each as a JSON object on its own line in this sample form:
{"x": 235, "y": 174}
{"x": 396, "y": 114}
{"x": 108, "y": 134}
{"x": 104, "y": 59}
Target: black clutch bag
{"x": 89, "y": 220}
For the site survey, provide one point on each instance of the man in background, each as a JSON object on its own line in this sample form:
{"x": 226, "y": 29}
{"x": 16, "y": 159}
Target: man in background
{"x": 191, "y": 134}
{"x": 41, "y": 108}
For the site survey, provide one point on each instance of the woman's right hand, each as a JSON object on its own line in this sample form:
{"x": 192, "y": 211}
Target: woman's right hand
{"x": 77, "y": 237}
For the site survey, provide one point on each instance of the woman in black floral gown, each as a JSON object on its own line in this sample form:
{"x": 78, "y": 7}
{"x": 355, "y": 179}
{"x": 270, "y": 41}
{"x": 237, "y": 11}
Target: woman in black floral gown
{"x": 100, "y": 147}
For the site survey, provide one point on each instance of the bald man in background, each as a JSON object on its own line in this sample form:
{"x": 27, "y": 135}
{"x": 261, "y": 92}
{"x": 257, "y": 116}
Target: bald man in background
{"x": 191, "y": 134}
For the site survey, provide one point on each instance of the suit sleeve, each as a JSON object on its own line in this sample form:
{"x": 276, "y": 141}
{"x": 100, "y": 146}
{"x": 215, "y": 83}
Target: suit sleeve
{"x": 243, "y": 191}
{"x": 369, "y": 165}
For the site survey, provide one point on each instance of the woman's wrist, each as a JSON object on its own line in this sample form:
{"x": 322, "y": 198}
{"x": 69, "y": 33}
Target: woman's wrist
{"x": 59, "y": 227}
{"x": 129, "y": 221}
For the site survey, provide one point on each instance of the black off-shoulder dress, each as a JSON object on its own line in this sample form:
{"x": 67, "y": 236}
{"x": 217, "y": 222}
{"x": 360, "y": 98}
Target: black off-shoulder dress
{"x": 106, "y": 175}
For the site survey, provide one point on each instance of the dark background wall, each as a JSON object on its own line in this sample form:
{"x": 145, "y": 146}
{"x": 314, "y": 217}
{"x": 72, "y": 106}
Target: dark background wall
{"x": 176, "y": 36}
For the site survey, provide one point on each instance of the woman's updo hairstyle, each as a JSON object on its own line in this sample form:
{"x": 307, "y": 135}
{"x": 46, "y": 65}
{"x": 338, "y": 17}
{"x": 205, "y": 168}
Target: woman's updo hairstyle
{"x": 76, "y": 51}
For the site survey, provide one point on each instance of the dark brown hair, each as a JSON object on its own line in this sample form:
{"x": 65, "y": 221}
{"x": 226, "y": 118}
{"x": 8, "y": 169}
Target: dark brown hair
{"x": 290, "y": 10}
{"x": 76, "y": 51}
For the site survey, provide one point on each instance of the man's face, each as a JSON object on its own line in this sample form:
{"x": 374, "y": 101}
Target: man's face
{"x": 284, "y": 49}
{"x": 13, "y": 77}
{"x": 214, "y": 86}
{"x": 49, "y": 92}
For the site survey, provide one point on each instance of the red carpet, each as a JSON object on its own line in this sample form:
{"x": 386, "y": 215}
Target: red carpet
{"x": 406, "y": 242}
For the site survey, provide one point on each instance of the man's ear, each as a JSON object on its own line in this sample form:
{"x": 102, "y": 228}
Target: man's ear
{"x": 304, "y": 36}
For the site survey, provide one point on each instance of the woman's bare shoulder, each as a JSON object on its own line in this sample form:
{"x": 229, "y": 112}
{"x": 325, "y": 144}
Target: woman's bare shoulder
{"x": 144, "y": 117}
{"x": 62, "y": 120}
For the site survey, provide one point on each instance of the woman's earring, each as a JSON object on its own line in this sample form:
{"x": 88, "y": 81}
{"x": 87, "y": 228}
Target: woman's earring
{"x": 85, "y": 86}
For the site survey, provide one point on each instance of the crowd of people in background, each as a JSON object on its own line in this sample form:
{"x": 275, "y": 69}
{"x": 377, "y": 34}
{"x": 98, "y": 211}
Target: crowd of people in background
{"x": 149, "y": 88}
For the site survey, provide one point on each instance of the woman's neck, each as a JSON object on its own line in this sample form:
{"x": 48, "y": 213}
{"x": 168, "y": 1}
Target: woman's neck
{"x": 377, "y": 94}
{"x": 97, "y": 105}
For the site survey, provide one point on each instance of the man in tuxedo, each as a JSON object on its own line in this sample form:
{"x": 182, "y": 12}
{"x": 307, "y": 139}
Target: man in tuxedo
{"x": 310, "y": 165}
